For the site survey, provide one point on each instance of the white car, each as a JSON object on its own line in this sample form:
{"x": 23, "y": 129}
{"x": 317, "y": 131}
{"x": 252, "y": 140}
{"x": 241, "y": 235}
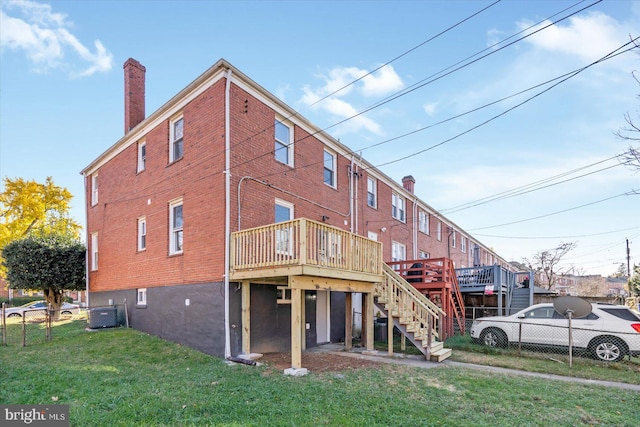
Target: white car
{"x": 608, "y": 333}
{"x": 38, "y": 307}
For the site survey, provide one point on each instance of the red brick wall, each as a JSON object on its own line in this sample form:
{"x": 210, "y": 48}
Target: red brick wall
{"x": 125, "y": 195}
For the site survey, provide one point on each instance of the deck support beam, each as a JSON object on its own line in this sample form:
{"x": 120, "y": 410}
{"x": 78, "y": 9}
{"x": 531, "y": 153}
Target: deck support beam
{"x": 367, "y": 320}
{"x": 296, "y": 328}
{"x": 348, "y": 322}
{"x": 246, "y": 317}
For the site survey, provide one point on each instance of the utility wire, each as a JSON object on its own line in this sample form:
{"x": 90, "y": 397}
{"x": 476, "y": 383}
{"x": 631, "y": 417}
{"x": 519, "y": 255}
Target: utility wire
{"x": 555, "y": 213}
{"x": 405, "y": 92}
{"x": 514, "y": 107}
{"x": 554, "y": 237}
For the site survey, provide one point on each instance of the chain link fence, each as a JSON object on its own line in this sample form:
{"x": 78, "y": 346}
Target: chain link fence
{"x": 607, "y": 334}
{"x": 23, "y": 327}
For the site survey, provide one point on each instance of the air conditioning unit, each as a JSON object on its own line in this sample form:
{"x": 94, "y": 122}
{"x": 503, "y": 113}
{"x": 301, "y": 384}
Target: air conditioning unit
{"x": 103, "y": 317}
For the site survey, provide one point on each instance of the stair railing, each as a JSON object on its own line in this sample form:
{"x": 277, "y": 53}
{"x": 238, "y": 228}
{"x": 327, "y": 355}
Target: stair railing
{"x": 407, "y": 303}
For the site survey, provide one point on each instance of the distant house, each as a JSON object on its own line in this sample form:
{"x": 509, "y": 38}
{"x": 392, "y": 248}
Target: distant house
{"x": 185, "y": 219}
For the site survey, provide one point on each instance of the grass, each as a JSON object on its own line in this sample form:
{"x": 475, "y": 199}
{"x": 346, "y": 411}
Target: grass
{"x": 124, "y": 377}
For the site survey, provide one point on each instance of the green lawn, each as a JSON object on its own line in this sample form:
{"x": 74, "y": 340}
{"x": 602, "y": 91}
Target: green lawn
{"x": 123, "y": 377}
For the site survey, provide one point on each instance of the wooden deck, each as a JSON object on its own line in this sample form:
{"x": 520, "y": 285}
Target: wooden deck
{"x": 301, "y": 255}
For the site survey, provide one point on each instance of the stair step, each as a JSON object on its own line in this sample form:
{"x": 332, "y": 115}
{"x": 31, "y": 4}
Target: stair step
{"x": 435, "y": 346}
{"x": 440, "y": 355}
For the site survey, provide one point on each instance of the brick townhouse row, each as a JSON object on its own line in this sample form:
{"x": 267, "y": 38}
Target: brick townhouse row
{"x": 224, "y": 155}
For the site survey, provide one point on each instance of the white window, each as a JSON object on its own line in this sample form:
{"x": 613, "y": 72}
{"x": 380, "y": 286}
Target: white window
{"x": 453, "y": 239}
{"x": 423, "y": 222}
{"x": 94, "y": 189}
{"x": 94, "y": 251}
{"x": 463, "y": 244}
{"x": 283, "y": 143}
{"x": 439, "y": 231}
{"x": 142, "y": 234}
{"x": 176, "y": 144}
{"x": 141, "y": 296}
{"x": 142, "y": 156}
{"x": 425, "y": 255}
{"x": 372, "y": 192}
{"x": 283, "y": 212}
{"x": 397, "y": 210}
{"x": 175, "y": 227}
{"x": 329, "y": 168}
{"x": 398, "y": 251}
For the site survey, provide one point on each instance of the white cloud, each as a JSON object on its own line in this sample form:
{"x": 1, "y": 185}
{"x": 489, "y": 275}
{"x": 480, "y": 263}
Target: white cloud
{"x": 45, "y": 38}
{"x": 430, "y": 108}
{"x": 354, "y": 83}
{"x": 588, "y": 37}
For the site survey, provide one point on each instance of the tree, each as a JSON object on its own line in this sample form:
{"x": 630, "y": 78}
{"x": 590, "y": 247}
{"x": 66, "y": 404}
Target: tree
{"x": 53, "y": 263}
{"x": 631, "y": 133}
{"x": 545, "y": 264}
{"x": 30, "y": 208}
{"x": 634, "y": 281}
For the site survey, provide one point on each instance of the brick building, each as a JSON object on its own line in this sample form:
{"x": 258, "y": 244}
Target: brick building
{"x": 226, "y": 155}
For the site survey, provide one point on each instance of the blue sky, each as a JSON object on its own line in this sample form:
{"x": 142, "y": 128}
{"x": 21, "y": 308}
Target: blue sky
{"x": 61, "y": 99}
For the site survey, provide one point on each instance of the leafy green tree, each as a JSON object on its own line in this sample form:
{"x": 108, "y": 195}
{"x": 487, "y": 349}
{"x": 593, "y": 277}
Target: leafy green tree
{"x": 634, "y": 281}
{"x": 53, "y": 263}
{"x": 30, "y": 208}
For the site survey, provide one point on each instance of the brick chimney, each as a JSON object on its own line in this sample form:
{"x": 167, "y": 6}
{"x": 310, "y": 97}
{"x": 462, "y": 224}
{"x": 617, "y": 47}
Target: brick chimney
{"x": 408, "y": 183}
{"x": 133, "y": 94}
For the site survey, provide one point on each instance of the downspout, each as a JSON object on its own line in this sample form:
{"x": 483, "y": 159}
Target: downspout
{"x": 415, "y": 228}
{"x": 227, "y": 215}
{"x": 86, "y": 254}
{"x": 351, "y": 194}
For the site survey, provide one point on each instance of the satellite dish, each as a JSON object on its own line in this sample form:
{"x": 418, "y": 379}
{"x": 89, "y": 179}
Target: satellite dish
{"x": 575, "y": 306}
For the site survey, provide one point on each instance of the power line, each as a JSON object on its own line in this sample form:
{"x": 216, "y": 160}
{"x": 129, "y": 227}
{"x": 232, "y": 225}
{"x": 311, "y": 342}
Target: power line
{"x": 555, "y": 237}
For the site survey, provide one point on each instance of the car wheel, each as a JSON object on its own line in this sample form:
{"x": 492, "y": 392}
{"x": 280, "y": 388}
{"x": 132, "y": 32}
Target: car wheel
{"x": 66, "y": 313}
{"x": 493, "y": 337}
{"x": 608, "y": 349}
{"x": 14, "y": 315}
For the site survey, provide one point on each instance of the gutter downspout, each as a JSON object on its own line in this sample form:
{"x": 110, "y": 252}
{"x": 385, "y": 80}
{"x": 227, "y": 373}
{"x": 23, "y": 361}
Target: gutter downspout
{"x": 86, "y": 255}
{"x": 415, "y": 228}
{"x": 227, "y": 215}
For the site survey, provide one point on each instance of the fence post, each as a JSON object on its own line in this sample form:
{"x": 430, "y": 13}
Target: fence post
{"x": 519, "y": 337}
{"x": 4, "y": 325}
{"x": 24, "y": 330}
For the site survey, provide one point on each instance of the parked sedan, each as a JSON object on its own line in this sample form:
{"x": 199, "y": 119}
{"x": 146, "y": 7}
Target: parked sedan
{"x": 608, "y": 333}
{"x": 67, "y": 309}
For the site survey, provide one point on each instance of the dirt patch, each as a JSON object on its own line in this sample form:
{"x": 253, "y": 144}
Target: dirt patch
{"x": 318, "y": 362}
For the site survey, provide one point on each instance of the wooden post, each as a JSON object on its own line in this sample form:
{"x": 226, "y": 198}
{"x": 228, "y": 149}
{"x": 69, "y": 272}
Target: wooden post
{"x": 348, "y": 322}
{"x": 367, "y": 320}
{"x": 403, "y": 342}
{"x": 296, "y": 328}
{"x": 389, "y": 333}
{"x": 246, "y": 317}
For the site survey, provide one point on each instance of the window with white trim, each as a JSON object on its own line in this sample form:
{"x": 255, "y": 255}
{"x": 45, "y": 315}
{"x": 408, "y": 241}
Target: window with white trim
{"x": 142, "y": 156}
{"x": 176, "y": 139}
{"x": 141, "y": 296}
{"x": 423, "y": 222}
{"x": 94, "y": 189}
{"x": 372, "y": 192}
{"x": 176, "y": 224}
{"x": 283, "y": 145}
{"x": 453, "y": 238}
{"x": 463, "y": 244}
{"x": 439, "y": 231}
{"x": 142, "y": 233}
{"x": 398, "y": 207}
{"x": 425, "y": 255}
{"x": 94, "y": 251}
{"x": 329, "y": 168}
{"x": 283, "y": 212}
{"x": 398, "y": 251}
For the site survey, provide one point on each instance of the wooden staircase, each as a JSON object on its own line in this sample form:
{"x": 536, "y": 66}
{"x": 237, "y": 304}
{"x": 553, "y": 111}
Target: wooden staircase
{"x": 419, "y": 319}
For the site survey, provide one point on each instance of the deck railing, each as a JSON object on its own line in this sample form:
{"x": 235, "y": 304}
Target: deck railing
{"x": 304, "y": 242}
